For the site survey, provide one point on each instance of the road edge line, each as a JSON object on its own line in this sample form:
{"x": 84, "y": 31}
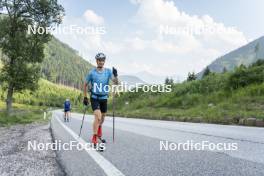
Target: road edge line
{"x": 103, "y": 163}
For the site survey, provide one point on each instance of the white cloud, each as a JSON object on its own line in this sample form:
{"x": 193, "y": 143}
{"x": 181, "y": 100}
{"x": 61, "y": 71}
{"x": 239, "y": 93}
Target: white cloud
{"x": 136, "y": 43}
{"x": 135, "y": 1}
{"x": 192, "y": 51}
{"x": 88, "y": 45}
{"x": 149, "y": 49}
{"x": 156, "y": 13}
{"x": 91, "y": 17}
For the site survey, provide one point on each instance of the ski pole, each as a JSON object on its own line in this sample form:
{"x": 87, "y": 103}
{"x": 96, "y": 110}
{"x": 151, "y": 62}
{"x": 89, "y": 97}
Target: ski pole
{"x": 82, "y": 120}
{"x": 113, "y": 118}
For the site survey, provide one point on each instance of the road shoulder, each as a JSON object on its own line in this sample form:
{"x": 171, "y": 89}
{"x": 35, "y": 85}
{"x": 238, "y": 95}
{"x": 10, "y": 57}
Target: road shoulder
{"x": 16, "y": 159}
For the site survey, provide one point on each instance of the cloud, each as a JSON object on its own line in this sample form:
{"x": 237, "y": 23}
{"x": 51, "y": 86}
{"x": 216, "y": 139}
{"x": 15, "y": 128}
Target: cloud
{"x": 91, "y": 17}
{"x": 190, "y": 43}
{"x": 88, "y": 44}
{"x": 135, "y": 1}
{"x": 203, "y": 30}
{"x": 148, "y": 48}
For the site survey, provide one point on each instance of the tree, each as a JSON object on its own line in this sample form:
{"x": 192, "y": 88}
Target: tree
{"x": 206, "y": 72}
{"x": 259, "y": 62}
{"x": 224, "y": 70}
{"x": 244, "y": 76}
{"x": 191, "y": 76}
{"x": 24, "y": 49}
{"x": 166, "y": 80}
{"x": 169, "y": 80}
{"x": 242, "y": 66}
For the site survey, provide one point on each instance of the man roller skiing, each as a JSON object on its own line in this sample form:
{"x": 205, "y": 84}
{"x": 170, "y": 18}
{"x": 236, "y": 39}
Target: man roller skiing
{"x": 67, "y": 109}
{"x": 97, "y": 82}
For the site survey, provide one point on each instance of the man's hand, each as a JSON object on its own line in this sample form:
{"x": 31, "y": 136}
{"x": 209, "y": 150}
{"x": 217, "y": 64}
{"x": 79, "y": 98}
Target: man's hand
{"x": 115, "y": 72}
{"x": 85, "y": 101}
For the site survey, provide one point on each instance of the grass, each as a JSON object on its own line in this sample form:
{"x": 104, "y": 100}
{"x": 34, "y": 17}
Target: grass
{"x": 30, "y": 106}
{"x": 22, "y": 114}
{"x": 219, "y": 106}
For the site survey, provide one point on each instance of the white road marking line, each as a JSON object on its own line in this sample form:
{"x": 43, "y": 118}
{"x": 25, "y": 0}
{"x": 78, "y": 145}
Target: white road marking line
{"x": 107, "y": 167}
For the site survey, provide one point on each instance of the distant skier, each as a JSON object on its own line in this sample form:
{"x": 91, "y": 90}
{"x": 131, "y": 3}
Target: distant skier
{"x": 67, "y": 109}
{"x": 98, "y": 81}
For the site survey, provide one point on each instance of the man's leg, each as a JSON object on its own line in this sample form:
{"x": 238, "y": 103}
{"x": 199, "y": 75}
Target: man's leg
{"x": 65, "y": 116}
{"x": 102, "y": 118}
{"x": 103, "y": 108}
{"x": 96, "y": 123}
{"x": 97, "y": 120}
{"x": 99, "y": 132}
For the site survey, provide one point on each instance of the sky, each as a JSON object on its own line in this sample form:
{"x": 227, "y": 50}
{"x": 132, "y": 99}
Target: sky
{"x": 161, "y": 37}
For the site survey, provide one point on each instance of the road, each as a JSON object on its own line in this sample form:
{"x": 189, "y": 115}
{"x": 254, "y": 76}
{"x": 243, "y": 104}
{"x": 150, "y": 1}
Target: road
{"x": 137, "y": 148}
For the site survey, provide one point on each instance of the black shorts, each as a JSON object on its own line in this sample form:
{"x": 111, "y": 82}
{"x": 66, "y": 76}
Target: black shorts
{"x": 66, "y": 110}
{"x": 99, "y": 104}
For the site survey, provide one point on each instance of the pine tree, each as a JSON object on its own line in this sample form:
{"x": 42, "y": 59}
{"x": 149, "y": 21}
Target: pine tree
{"x": 191, "y": 76}
{"x": 206, "y": 72}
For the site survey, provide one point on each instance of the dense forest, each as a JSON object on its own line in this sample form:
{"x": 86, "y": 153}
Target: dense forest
{"x": 63, "y": 65}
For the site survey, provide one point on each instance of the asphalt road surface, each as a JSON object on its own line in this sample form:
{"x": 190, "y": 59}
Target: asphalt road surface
{"x": 139, "y": 148}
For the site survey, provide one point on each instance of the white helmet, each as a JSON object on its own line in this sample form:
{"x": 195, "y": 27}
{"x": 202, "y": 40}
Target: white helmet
{"x": 100, "y": 56}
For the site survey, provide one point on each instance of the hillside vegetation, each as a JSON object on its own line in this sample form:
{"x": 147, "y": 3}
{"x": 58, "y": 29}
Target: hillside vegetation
{"x": 63, "y": 65}
{"x": 47, "y": 95}
{"x": 245, "y": 55}
{"x": 217, "y": 98}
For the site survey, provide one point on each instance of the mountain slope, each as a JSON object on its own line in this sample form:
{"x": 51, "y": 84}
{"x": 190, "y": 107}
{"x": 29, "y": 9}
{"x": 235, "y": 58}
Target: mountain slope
{"x": 62, "y": 65}
{"x": 150, "y": 78}
{"x": 131, "y": 80}
{"x": 245, "y": 55}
